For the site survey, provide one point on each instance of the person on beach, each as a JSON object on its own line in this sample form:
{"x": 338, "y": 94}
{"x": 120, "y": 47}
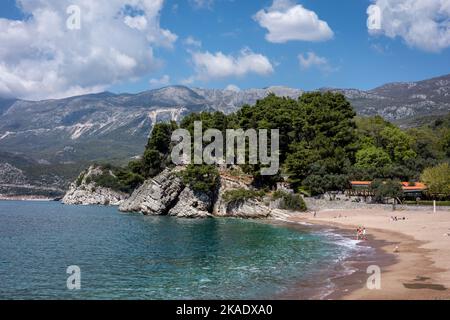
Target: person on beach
{"x": 364, "y": 234}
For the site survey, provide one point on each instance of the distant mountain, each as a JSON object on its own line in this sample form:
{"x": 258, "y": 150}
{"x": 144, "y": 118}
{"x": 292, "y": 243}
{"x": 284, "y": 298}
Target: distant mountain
{"x": 69, "y": 132}
{"x": 106, "y": 125}
{"x": 399, "y": 101}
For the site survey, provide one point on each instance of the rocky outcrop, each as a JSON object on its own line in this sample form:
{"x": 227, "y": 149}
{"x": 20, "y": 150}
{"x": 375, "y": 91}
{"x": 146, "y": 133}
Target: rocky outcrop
{"x": 250, "y": 209}
{"x": 192, "y": 204}
{"x": 167, "y": 195}
{"x": 84, "y": 191}
{"x": 156, "y": 196}
{"x": 228, "y": 183}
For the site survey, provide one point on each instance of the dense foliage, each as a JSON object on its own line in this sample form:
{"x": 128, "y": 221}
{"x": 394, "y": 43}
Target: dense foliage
{"x": 323, "y": 146}
{"x": 386, "y": 189}
{"x": 201, "y": 178}
{"x": 238, "y": 196}
{"x": 387, "y": 152}
{"x": 116, "y": 178}
{"x": 290, "y": 201}
{"x": 438, "y": 180}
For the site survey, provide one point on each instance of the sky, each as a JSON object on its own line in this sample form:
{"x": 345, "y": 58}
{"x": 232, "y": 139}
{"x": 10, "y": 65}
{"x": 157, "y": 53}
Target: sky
{"x": 60, "y": 48}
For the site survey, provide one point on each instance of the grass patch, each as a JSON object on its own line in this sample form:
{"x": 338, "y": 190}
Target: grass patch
{"x": 427, "y": 203}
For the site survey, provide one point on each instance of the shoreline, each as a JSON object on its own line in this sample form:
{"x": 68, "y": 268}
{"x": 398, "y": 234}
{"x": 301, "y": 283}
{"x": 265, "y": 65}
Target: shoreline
{"x": 27, "y": 199}
{"x": 420, "y": 268}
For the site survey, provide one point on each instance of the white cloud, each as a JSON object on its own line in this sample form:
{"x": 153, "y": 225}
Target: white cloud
{"x": 202, "y": 3}
{"x": 192, "y": 42}
{"x": 40, "y": 57}
{"x": 163, "y": 81}
{"x": 232, "y": 87}
{"x": 423, "y": 24}
{"x": 138, "y": 22}
{"x": 311, "y": 60}
{"x": 218, "y": 65}
{"x": 287, "y": 21}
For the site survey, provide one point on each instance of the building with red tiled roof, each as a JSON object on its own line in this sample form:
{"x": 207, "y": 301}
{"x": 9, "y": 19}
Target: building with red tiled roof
{"x": 410, "y": 189}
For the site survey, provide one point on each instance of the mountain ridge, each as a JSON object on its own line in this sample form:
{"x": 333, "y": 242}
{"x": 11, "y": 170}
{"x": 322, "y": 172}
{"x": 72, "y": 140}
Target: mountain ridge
{"x": 115, "y": 127}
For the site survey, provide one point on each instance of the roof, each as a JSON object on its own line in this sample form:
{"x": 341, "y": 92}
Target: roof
{"x": 361, "y": 183}
{"x": 418, "y": 186}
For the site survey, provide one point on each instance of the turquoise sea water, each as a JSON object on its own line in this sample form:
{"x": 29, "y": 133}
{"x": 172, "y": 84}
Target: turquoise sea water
{"x": 137, "y": 257}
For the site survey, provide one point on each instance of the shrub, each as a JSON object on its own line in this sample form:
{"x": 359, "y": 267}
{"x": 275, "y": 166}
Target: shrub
{"x": 386, "y": 189}
{"x": 117, "y": 179}
{"x": 80, "y": 179}
{"x": 290, "y": 201}
{"x": 241, "y": 195}
{"x": 201, "y": 178}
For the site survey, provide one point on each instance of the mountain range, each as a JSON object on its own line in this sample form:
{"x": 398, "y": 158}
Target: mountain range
{"x": 49, "y": 141}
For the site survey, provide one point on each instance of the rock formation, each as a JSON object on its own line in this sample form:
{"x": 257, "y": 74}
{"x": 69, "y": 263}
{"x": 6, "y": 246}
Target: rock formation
{"x": 156, "y": 196}
{"x": 167, "y": 195}
{"x": 85, "y": 191}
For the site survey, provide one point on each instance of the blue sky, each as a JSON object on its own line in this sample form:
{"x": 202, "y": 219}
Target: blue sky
{"x": 352, "y": 57}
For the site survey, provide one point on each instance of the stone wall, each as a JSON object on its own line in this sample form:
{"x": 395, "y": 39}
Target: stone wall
{"x": 314, "y": 204}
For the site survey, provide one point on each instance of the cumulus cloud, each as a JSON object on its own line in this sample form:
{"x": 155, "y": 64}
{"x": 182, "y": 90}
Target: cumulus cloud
{"x": 287, "y": 21}
{"x": 163, "y": 81}
{"x": 218, "y": 65}
{"x": 192, "y": 42}
{"x": 312, "y": 60}
{"x": 422, "y": 24}
{"x": 40, "y": 57}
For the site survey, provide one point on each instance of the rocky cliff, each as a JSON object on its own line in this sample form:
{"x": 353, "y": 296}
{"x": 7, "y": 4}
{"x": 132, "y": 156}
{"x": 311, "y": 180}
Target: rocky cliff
{"x": 249, "y": 209}
{"x": 85, "y": 191}
{"x": 167, "y": 195}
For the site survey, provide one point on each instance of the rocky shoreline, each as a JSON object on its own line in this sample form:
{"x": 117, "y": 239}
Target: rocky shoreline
{"x": 84, "y": 191}
{"x": 167, "y": 195}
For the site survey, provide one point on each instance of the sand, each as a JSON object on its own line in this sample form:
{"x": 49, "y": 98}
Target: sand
{"x": 413, "y": 254}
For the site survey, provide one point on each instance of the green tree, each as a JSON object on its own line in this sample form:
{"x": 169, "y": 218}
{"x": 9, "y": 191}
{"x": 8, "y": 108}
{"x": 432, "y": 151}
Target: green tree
{"x": 437, "y": 180}
{"x": 157, "y": 153}
{"x": 201, "y": 178}
{"x": 161, "y": 137}
{"x": 370, "y": 128}
{"x": 446, "y": 144}
{"x": 372, "y": 157}
{"x": 397, "y": 144}
{"x": 152, "y": 163}
{"x": 389, "y": 189}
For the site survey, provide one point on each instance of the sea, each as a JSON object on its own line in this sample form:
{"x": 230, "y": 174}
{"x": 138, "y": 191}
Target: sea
{"x": 50, "y": 251}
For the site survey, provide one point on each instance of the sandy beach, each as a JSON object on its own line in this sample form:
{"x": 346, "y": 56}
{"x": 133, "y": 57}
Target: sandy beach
{"x": 413, "y": 254}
